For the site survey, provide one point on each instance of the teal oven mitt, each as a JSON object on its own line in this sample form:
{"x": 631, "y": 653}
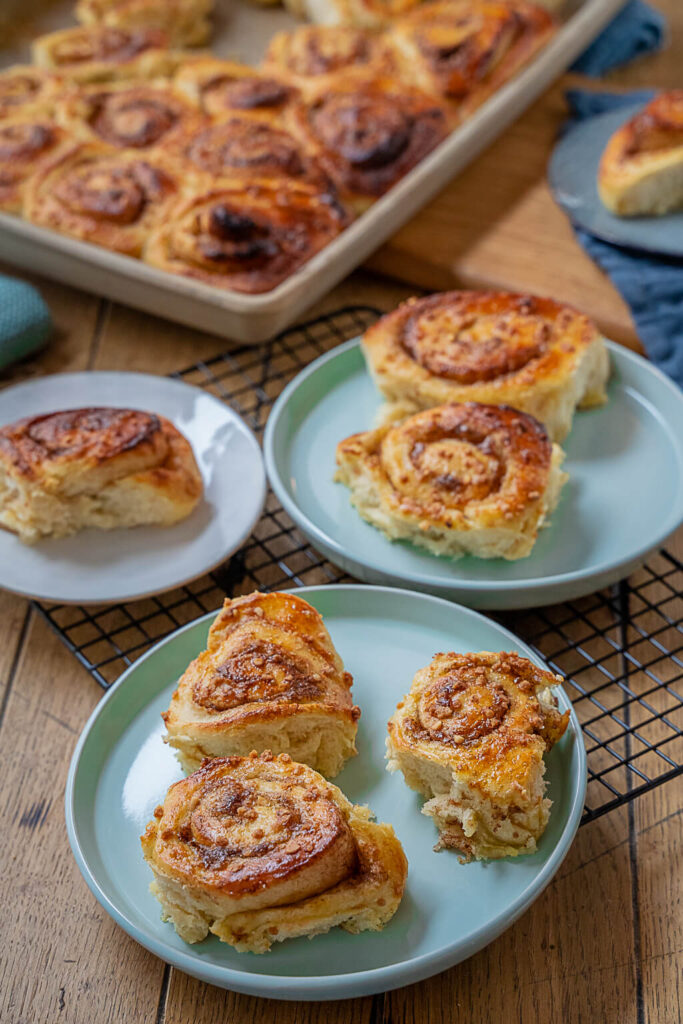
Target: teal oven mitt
{"x": 25, "y": 322}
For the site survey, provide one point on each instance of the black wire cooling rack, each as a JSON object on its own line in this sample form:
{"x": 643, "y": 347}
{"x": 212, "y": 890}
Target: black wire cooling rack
{"x": 619, "y": 650}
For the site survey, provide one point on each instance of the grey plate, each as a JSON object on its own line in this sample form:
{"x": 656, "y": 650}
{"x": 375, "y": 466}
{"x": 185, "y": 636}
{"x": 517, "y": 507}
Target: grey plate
{"x": 572, "y": 174}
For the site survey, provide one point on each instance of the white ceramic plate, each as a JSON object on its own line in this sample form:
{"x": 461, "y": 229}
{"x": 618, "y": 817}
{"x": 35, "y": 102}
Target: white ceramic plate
{"x": 623, "y": 499}
{"x": 121, "y": 769}
{"x": 104, "y": 566}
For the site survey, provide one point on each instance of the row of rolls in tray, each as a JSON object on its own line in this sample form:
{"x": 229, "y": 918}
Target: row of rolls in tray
{"x": 235, "y": 175}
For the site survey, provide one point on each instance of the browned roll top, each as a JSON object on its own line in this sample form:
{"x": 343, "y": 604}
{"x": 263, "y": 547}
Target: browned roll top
{"x": 318, "y": 50}
{"x": 243, "y": 144}
{"x": 224, "y": 93}
{"x": 105, "y": 43}
{"x": 21, "y": 87}
{"x": 25, "y": 140}
{"x": 109, "y": 191}
{"x": 658, "y": 126}
{"x": 135, "y": 117}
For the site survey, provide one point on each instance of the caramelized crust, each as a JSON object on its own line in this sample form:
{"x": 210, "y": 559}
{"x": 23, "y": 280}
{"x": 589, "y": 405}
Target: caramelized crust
{"x": 366, "y": 14}
{"x": 496, "y": 347}
{"x": 186, "y": 22}
{"x": 102, "y": 53}
{"x": 246, "y": 234}
{"x": 27, "y": 141}
{"x": 368, "y": 133}
{"x": 244, "y": 836}
{"x": 641, "y": 170}
{"x": 225, "y": 89}
{"x": 270, "y": 678}
{"x": 93, "y": 193}
{"x": 27, "y": 90}
{"x": 464, "y": 50}
{"x": 456, "y": 479}
{"x": 470, "y": 736}
{"x": 129, "y": 115}
{"x": 317, "y": 55}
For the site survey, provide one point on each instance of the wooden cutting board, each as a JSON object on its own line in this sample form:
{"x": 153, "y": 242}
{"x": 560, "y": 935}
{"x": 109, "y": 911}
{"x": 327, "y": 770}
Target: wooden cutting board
{"x": 497, "y": 225}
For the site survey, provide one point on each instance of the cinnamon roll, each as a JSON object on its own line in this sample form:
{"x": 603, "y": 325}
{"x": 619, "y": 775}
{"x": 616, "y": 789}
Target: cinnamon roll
{"x": 456, "y": 480}
{"x": 248, "y": 234}
{"x": 225, "y": 89}
{"x": 26, "y": 142}
{"x": 494, "y": 347}
{"x": 129, "y": 115}
{"x": 368, "y": 133}
{"x": 102, "y": 196}
{"x": 27, "y": 90}
{"x": 270, "y": 678}
{"x": 101, "y": 53}
{"x": 186, "y": 22}
{"x": 259, "y": 849}
{"x": 470, "y": 737}
{"x": 321, "y": 54}
{"x": 464, "y": 50}
{"x": 367, "y": 14}
{"x": 641, "y": 169}
{"x": 106, "y": 468}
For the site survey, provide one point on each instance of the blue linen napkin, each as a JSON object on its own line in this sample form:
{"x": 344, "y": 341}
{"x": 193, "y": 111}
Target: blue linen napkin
{"x": 25, "y": 321}
{"x": 651, "y": 285}
{"x": 636, "y": 30}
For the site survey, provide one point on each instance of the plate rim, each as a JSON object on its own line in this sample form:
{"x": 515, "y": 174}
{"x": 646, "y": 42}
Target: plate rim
{"x": 358, "y": 983}
{"x": 472, "y": 586}
{"x": 608, "y": 236}
{"x": 87, "y": 375}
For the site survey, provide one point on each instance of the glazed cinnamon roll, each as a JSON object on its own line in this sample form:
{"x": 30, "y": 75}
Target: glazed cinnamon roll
{"x": 260, "y": 849}
{"x": 320, "y": 54}
{"x": 494, "y": 347}
{"x": 98, "y": 467}
{"x": 367, "y": 14}
{"x": 186, "y": 22}
{"x": 464, "y": 50}
{"x": 224, "y": 89}
{"x": 641, "y": 170}
{"x": 368, "y": 133}
{"x": 26, "y": 142}
{"x": 470, "y": 737}
{"x": 456, "y": 480}
{"x": 101, "y": 53}
{"x": 247, "y": 234}
{"x": 127, "y": 115}
{"x": 27, "y": 90}
{"x": 109, "y": 198}
{"x": 270, "y": 678}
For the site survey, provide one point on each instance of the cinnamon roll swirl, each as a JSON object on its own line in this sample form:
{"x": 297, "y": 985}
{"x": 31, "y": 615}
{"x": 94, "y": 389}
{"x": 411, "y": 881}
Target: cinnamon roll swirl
{"x": 320, "y": 55}
{"x": 641, "y": 169}
{"x": 368, "y": 133}
{"x": 225, "y": 89}
{"x": 27, "y": 141}
{"x": 98, "y": 195}
{"x": 258, "y": 850}
{"x": 105, "y": 468}
{"x": 270, "y": 678}
{"x": 126, "y": 115}
{"x": 456, "y": 480}
{"x": 101, "y": 53}
{"x": 366, "y": 14}
{"x": 27, "y": 90}
{"x": 246, "y": 234}
{"x": 470, "y": 737}
{"x": 494, "y": 347}
{"x": 464, "y": 50}
{"x": 186, "y": 22}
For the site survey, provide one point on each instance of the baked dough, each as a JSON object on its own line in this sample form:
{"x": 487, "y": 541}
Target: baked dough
{"x": 260, "y": 849}
{"x": 27, "y": 90}
{"x": 641, "y": 170}
{"x": 101, "y": 53}
{"x": 368, "y": 14}
{"x": 27, "y": 141}
{"x": 494, "y": 347}
{"x": 105, "y": 468}
{"x": 270, "y": 679}
{"x": 462, "y": 51}
{"x": 470, "y": 737}
{"x": 321, "y": 55}
{"x": 456, "y": 480}
{"x": 225, "y": 89}
{"x": 100, "y": 195}
{"x": 186, "y": 22}
{"x": 247, "y": 234}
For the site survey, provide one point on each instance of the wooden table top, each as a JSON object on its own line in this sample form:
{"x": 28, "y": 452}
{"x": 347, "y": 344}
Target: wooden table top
{"x": 603, "y": 943}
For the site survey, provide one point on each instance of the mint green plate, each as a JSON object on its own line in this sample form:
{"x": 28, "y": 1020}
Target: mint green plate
{"x": 623, "y": 499}
{"x": 121, "y": 769}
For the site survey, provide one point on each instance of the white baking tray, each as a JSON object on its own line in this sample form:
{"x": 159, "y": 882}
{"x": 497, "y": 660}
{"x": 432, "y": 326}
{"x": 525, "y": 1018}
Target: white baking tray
{"x": 243, "y": 31}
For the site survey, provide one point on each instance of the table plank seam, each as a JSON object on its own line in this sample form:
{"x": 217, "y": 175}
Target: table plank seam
{"x": 11, "y": 675}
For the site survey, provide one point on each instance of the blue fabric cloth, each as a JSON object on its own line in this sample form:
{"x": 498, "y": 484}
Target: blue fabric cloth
{"x": 652, "y": 286}
{"x": 636, "y": 30}
{"x": 25, "y": 322}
